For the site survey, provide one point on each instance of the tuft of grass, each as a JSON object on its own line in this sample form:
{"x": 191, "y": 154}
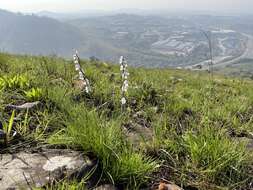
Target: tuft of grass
{"x": 65, "y": 185}
{"x": 7, "y": 127}
{"x": 133, "y": 169}
{"x": 208, "y": 158}
{"x": 215, "y": 157}
{"x": 119, "y": 163}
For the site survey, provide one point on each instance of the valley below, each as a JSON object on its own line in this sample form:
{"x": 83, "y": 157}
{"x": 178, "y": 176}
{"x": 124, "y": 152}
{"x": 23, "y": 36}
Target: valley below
{"x": 226, "y": 61}
{"x": 179, "y": 41}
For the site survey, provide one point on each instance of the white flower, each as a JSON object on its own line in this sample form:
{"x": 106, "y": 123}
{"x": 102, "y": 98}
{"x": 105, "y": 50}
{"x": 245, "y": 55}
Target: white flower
{"x": 77, "y": 67}
{"x": 75, "y": 57}
{"x": 87, "y": 89}
{"x": 124, "y": 89}
{"x": 87, "y": 82}
{"x": 121, "y": 60}
{"x": 126, "y": 83}
{"x": 125, "y": 75}
{"x": 123, "y": 101}
{"x": 81, "y": 77}
{"x": 125, "y": 86}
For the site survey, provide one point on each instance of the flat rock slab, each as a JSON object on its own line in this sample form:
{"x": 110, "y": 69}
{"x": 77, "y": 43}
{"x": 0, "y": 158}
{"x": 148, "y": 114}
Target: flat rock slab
{"x": 28, "y": 105}
{"x": 27, "y": 170}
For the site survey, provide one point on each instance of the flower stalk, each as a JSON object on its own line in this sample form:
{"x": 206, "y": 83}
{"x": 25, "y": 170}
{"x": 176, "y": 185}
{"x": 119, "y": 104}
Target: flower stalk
{"x": 82, "y": 77}
{"x": 125, "y": 85}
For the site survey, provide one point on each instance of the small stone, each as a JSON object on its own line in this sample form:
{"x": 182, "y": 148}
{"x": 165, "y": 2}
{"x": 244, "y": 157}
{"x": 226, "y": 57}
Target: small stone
{"x": 164, "y": 186}
{"x": 106, "y": 187}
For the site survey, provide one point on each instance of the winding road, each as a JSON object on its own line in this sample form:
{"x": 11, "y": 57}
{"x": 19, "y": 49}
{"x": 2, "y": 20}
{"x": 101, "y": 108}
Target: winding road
{"x": 221, "y": 62}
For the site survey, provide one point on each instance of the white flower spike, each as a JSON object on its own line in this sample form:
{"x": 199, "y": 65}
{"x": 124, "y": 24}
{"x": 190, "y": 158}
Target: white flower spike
{"x": 82, "y": 76}
{"x": 124, "y": 76}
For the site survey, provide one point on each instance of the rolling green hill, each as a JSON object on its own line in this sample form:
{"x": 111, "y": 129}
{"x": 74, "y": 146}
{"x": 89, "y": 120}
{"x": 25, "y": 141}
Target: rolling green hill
{"x": 179, "y": 126}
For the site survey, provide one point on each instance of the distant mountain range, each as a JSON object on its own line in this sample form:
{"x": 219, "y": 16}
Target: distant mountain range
{"x": 73, "y": 15}
{"x": 30, "y": 34}
{"x": 175, "y": 40}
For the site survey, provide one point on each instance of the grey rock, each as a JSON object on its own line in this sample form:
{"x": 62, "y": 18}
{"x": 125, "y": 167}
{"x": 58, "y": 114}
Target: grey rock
{"x": 106, "y": 187}
{"x": 24, "y": 106}
{"x": 27, "y": 170}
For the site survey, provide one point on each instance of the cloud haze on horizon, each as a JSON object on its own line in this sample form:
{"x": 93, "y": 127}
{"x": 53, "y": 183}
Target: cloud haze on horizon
{"x": 78, "y": 5}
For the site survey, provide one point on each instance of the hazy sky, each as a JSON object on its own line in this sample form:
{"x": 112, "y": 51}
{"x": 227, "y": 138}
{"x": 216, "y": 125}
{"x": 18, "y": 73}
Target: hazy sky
{"x": 77, "y": 5}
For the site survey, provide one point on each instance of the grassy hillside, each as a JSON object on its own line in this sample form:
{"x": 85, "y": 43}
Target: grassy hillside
{"x": 179, "y": 126}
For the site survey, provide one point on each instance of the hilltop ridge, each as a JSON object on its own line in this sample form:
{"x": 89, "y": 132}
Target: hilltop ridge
{"x": 182, "y": 127}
